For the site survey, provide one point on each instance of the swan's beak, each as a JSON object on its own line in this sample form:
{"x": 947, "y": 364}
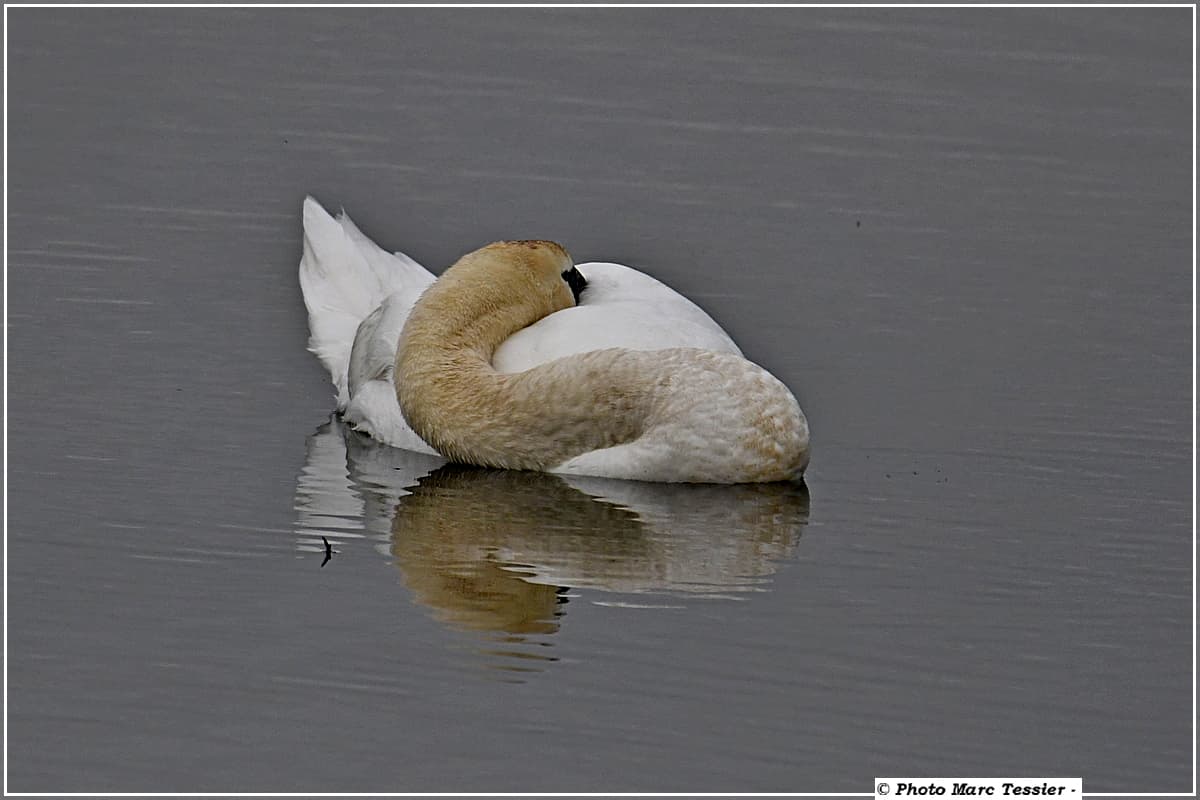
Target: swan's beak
{"x": 576, "y": 281}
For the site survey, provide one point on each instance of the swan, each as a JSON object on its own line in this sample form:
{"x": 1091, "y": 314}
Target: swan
{"x": 504, "y": 362}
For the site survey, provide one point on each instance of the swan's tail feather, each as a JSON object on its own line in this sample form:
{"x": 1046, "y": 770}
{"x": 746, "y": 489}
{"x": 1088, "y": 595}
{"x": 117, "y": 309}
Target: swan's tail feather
{"x": 344, "y": 277}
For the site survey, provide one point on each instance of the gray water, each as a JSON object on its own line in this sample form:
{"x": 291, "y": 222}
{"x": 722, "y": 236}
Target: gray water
{"x": 961, "y": 236}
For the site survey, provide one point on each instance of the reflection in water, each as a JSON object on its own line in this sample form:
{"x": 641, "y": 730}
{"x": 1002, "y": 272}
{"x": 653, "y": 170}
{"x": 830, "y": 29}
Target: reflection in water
{"x": 470, "y": 543}
{"x": 497, "y": 551}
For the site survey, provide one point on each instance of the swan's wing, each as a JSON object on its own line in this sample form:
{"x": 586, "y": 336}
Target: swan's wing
{"x": 373, "y": 354}
{"x": 344, "y": 277}
{"x": 621, "y": 307}
{"x": 373, "y": 408}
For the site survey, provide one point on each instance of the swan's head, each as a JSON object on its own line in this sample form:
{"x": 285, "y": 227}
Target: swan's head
{"x": 544, "y": 267}
{"x": 489, "y": 294}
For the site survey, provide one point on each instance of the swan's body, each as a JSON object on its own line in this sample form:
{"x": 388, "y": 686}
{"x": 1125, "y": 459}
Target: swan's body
{"x": 635, "y": 381}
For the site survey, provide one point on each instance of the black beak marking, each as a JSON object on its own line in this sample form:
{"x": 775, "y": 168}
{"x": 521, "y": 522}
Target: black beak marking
{"x": 576, "y": 281}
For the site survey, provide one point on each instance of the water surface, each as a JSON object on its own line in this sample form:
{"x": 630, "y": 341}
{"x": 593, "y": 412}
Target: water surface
{"x": 961, "y": 236}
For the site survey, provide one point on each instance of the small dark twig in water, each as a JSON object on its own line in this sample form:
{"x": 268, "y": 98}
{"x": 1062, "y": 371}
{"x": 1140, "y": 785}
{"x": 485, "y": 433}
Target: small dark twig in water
{"x": 329, "y": 551}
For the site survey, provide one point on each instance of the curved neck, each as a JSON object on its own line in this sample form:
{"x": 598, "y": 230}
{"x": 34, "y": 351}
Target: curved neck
{"x": 459, "y": 310}
{"x": 455, "y": 400}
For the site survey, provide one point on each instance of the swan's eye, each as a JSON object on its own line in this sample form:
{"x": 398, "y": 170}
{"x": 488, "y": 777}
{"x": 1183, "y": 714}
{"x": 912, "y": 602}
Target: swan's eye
{"x": 576, "y": 281}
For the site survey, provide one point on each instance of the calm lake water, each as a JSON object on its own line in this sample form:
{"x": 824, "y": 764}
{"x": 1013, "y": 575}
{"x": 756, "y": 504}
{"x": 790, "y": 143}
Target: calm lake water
{"x": 963, "y": 238}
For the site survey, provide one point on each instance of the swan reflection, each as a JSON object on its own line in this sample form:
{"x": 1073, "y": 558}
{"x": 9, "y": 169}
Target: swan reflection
{"x": 499, "y": 551}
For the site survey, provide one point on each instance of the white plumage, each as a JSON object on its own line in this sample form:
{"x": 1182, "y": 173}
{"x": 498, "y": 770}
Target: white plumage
{"x": 359, "y": 298}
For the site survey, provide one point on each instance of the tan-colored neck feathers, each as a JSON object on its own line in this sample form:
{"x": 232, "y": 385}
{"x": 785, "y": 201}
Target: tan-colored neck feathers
{"x": 456, "y": 401}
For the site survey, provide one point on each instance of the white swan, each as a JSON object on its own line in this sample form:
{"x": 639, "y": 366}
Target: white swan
{"x": 467, "y": 374}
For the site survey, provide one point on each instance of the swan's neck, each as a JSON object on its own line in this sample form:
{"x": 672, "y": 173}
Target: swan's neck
{"x": 459, "y": 323}
{"x": 457, "y": 402}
